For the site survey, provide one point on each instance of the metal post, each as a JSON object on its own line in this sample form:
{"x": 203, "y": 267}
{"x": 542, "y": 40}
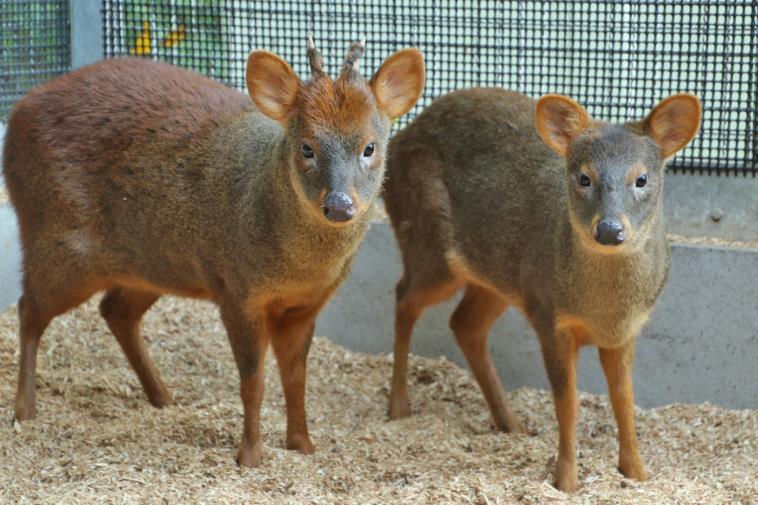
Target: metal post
{"x": 86, "y": 32}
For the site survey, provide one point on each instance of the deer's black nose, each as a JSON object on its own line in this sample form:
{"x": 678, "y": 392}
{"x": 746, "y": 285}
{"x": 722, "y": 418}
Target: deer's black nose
{"x": 339, "y": 207}
{"x": 610, "y": 232}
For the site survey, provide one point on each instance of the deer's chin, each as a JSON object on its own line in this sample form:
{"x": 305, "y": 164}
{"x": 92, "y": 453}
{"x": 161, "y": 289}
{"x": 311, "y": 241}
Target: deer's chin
{"x": 608, "y": 249}
{"x": 340, "y": 224}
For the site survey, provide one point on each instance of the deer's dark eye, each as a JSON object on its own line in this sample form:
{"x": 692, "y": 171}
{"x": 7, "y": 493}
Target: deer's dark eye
{"x": 584, "y": 180}
{"x": 368, "y": 150}
{"x": 641, "y": 181}
{"x": 307, "y": 151}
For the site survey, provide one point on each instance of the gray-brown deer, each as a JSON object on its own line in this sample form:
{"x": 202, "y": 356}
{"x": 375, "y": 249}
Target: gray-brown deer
{"x": 538, "y": 206}
{"x": 142, "y": 179}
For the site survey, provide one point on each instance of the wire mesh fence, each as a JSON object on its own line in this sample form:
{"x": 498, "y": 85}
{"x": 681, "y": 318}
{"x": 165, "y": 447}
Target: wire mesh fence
{"x": 616, "y": 57}
{"x": 34, "y": 46}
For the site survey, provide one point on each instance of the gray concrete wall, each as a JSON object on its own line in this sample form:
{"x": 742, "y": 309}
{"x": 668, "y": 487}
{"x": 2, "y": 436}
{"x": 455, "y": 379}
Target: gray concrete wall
{"x": 10, "y": 257}
{"x": 712, "y": 206}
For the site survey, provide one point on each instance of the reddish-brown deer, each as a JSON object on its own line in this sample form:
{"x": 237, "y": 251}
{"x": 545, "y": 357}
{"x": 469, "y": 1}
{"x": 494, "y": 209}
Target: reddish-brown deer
{"x": 562, "y": 220}
{"x": 142, "y": 179}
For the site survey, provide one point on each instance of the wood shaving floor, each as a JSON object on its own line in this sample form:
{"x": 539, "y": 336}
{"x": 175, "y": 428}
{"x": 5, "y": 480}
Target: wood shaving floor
{"x": 97, "y": 440}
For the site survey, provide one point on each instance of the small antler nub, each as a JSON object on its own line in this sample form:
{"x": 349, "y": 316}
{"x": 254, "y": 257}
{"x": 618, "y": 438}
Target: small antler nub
{"x": 314, "y": 59}
{"x": 350, "y": 69}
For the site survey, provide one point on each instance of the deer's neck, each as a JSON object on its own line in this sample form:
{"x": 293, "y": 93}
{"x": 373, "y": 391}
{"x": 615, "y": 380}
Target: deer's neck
{"x": 637, "y": 270}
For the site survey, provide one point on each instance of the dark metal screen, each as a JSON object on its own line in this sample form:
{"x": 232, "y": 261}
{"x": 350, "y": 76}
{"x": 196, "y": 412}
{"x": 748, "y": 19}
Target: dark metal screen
{"x": 618, "y": 58}
{"x": 34, "y": 46}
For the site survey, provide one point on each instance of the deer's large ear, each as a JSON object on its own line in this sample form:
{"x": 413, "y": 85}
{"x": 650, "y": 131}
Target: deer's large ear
{"x": 559, "y": 121}
{"x": 674, "y": 122}
{"x": 272, "y": 85}
{"x": 398, "y": 83}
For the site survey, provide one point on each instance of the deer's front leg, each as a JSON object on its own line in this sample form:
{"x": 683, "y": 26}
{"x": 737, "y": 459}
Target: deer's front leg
{"x": 617, "y": 364}
{"x": 291, "y": 339}
{"x": 249, "y": 340}
{"x": 560, "y": 351}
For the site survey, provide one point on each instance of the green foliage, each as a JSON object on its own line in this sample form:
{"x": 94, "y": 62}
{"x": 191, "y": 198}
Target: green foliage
{"x": 186, "y": 32}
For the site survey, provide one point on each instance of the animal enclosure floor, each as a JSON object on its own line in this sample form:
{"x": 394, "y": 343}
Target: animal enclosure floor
{"x": 97, "y": 440}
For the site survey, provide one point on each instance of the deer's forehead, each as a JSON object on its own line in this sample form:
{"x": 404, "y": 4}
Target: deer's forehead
{"x": 612, "y": 146}
{"x": 337, "y": 107}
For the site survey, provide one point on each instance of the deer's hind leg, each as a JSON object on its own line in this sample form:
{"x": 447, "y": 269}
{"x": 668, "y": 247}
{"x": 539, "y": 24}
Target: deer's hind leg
{"x": 33, "y": 320}
{"x": 471, "y": 322}
{"x": 123, "y": 308}
{"x": 43, "y": 299}
{"x": 413, "y": 297}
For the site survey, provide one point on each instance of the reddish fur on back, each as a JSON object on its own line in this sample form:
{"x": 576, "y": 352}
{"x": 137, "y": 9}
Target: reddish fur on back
{"x": 127, "y": 100}
{"x": 131, "y": 105}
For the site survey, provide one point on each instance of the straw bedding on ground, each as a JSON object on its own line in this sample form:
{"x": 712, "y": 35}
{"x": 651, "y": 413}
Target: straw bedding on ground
{"x": 96, "y": 439}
